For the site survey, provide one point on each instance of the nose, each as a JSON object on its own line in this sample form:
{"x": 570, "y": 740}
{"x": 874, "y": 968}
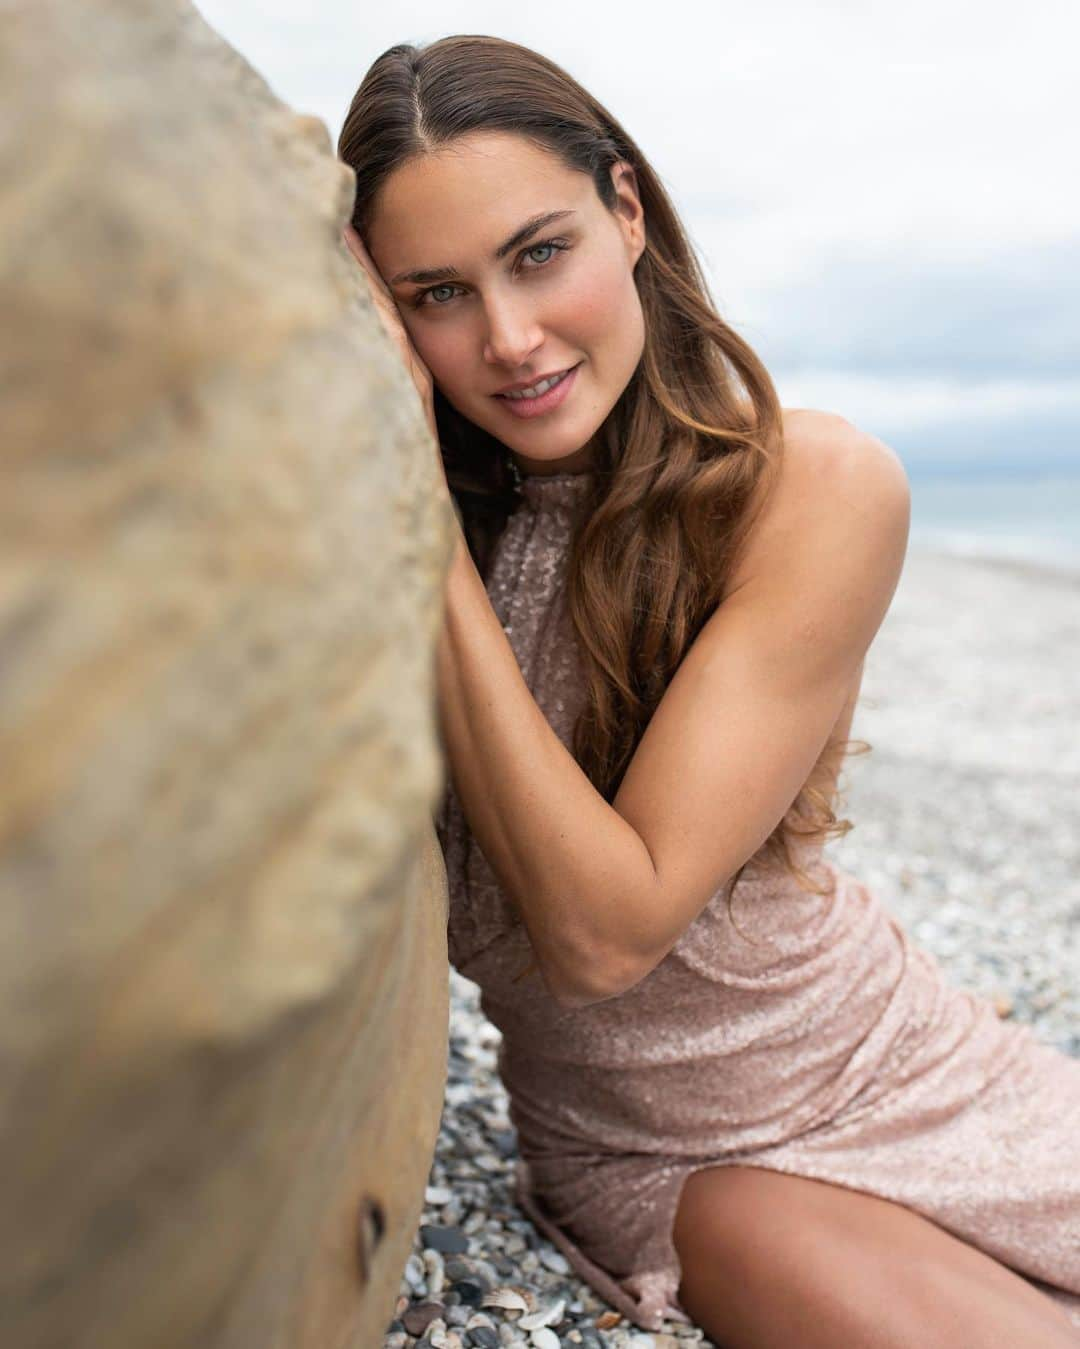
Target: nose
{"x": 513, "y": 333}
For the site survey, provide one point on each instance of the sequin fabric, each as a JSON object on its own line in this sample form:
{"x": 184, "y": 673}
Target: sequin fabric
{"x": 799, "y": 1032}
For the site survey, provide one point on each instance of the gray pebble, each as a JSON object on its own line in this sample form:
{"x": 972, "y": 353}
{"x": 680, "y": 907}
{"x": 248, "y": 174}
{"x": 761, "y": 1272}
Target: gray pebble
{"x": 446, "y": 1240}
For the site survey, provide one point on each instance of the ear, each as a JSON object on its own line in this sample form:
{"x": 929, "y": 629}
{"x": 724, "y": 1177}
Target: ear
{"x": 628, "y": 209}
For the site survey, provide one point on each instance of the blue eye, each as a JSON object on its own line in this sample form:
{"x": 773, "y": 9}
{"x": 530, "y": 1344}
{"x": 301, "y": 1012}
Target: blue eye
{"x": 549, "y": 247}
{"x": 440, "y": 296}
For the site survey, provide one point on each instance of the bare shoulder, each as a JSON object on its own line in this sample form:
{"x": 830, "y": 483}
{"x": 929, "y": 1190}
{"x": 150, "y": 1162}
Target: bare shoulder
{"x": 826, "y": 449}
{"x": 835, "y": 482}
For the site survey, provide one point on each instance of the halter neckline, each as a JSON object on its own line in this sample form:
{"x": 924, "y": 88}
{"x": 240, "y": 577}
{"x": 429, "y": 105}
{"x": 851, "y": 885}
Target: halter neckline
{"x": 543, "y": 489}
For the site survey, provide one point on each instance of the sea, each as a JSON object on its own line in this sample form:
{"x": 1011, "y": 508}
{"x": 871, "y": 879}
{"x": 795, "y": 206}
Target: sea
{"x": 1022, "y": 516}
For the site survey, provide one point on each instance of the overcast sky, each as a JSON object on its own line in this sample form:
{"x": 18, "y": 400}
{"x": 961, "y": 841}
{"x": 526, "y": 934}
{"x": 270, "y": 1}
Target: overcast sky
{"x": 885, "y": 196}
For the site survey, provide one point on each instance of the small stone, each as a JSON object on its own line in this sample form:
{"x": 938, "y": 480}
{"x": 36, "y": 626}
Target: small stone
{"x": 483, "y": 1337}
{"x": 470, "y": 1291}
{"x": 435, "y": 1335}
{"x": 437, "y": 1195}
{"x": 484, "y": 1273}
{"x": 414, "y": 1272}
{"x": 606, "y": 1320}
{"x": 434, "y": 1272}
{"x": 505, "y": 1141}
{"x": 545, "y": 1339}
{"x": 418, "y": 1317}
{"x": 458, "y": 1315}
{"x": 641, "y": 1342}
{"x": 555, "y": 1261}
{"x": 446, "y": 1240}
{"x": 1004, "y": 1005}
{"x": 396, "y": 1339}
{"x": 479, "y": 1319}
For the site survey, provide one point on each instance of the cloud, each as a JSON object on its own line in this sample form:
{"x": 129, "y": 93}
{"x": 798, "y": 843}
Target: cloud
{"x": 896, "y": 311}
{"x": 941, "y": 424}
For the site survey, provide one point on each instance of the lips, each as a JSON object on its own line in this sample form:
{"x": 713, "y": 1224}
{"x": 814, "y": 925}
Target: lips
{"x": 535, "y": 390}
{"x": 555, "y": 390}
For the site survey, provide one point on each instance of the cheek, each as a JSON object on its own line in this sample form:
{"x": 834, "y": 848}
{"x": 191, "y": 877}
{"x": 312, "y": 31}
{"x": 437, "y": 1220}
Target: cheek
{"x": 441, "y": 349}
{"x": 603, "y": 308}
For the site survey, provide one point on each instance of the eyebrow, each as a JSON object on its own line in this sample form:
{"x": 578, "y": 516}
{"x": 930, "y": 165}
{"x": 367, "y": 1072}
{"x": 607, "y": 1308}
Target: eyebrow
{"x": 427, "y": 275}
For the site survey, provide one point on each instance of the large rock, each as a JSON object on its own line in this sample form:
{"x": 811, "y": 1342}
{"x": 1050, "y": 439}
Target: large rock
{"x": 222, "y": 906}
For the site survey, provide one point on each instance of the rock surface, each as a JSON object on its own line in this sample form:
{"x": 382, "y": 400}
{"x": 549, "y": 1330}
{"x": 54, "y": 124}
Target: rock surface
{"x": 222, "y": 906}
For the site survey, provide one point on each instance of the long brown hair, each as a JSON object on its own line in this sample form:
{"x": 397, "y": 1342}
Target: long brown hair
{"x": 684, "y": 460}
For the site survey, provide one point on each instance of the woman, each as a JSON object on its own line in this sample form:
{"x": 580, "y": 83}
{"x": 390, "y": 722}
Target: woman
{"x": 742, "y": 1095}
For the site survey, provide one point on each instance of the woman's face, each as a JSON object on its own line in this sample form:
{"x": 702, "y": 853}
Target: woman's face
{"x": 508, "y": 270}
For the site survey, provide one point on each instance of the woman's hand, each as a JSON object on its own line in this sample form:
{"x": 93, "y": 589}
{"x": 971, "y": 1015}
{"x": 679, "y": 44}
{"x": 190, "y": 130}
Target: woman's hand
{"x": 394, "y": 328}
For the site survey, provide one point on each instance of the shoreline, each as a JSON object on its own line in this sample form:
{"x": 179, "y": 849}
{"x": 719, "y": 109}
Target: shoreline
{"x": 1038, "y": 569}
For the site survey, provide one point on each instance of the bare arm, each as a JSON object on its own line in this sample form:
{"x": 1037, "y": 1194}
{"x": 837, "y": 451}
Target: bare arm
{"x": 605, "y": 891}
{"x": 563, "y": 856}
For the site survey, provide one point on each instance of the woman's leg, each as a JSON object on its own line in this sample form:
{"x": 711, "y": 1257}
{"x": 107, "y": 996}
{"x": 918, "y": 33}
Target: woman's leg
{"x": 771, "y": 1260}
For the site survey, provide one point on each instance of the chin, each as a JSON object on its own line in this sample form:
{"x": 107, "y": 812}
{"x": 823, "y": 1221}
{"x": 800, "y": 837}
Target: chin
{"x": 543, "y": 449}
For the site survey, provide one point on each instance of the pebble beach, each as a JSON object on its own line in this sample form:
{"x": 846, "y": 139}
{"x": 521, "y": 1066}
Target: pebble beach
{"x": 967, "y": 825}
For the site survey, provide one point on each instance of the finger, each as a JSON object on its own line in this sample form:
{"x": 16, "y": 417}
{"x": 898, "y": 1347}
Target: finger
{"x": 364, "y": 258}
{"x": 354, "y": 243}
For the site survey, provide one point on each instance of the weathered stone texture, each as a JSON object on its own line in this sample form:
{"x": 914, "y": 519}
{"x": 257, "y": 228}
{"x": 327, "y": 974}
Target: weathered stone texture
{"x": 222, "y": 906}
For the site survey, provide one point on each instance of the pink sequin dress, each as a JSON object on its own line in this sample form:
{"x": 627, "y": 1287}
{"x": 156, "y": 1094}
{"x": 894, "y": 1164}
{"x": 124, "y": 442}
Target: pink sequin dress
{"x": 810, "y": 1037}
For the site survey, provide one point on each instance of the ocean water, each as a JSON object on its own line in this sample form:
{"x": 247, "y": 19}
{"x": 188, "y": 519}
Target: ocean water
{"x": 1026, "y": 517}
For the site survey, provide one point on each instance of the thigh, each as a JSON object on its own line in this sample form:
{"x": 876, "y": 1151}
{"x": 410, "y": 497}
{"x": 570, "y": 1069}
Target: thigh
{"x": 771, "y": 1260}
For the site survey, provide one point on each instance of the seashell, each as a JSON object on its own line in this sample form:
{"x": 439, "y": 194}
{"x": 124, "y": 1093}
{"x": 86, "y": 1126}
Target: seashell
{"x": 548, "y": 1315}
{"x": 545, "y": 1339}
{"x": 436, "y": 1335}
{"x": 507, "y": 1298}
